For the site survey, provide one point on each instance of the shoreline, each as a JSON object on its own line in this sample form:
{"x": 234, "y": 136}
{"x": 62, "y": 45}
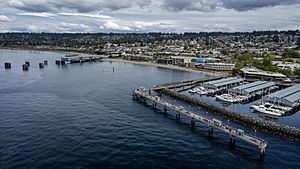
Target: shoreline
{"x": 173, "y": 67}
{"x": 49, "y": 50}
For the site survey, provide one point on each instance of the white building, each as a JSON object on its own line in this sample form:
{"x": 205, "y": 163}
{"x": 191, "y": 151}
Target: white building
{"x": 182, "y": 61}
{"x": 219, "y": 66}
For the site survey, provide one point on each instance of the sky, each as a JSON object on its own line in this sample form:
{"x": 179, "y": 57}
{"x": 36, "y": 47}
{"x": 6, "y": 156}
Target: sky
{"x": 148, "y": 15}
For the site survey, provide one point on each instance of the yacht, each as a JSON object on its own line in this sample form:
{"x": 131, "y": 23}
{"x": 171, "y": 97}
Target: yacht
{"x": 268, "y": 109}
{"x": 283, "y": 108}
{"x": 226, "y": 98}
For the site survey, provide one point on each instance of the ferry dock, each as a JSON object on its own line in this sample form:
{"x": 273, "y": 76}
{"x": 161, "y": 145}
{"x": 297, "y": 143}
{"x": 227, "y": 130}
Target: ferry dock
{"x": 143, "y": 95}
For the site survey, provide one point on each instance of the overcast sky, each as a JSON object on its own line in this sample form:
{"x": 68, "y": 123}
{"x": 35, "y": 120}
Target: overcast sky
{"x": 148, "y": 15}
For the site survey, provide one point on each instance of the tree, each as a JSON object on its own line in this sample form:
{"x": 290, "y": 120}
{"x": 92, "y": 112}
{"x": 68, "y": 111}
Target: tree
{"x": 285, "y": 71}
{"x": 298, "y": 42}
{"x": 297, "y": 72}
{"x": 289, "y": 53}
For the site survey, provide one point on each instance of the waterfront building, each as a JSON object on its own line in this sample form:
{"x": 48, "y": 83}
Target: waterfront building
{"x": 254, "y": 73}
{"x": 219, "y": 66}
{"x": 182, "y": 61}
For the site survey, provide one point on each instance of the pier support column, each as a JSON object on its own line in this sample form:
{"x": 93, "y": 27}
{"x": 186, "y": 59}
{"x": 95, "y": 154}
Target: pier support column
{"x": 145, "y": 101}
{"x": 177, "y": 116}
{"x": 165, "y": 110}
{"x": 232, "y": 140}
{"x": 262, "y": 153}
{"x": 154, "y": 104}
{"x": 193, "y": 123}
{"x": 210, "y": 130}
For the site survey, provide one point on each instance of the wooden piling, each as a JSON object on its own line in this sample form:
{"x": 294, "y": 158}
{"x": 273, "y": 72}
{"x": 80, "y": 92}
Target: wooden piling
{"x": 7, "y": 65}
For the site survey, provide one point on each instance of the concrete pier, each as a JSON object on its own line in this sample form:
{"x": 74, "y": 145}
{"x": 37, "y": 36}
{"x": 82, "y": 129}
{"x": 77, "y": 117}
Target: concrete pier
{"x": 142, "y": 94}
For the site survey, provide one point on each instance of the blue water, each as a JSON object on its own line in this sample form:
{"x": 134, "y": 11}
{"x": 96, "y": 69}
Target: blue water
{"x": 83, "y": 116}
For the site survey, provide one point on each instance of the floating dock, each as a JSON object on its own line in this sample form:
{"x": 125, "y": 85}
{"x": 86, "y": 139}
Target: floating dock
{"x": 144, "y": 95}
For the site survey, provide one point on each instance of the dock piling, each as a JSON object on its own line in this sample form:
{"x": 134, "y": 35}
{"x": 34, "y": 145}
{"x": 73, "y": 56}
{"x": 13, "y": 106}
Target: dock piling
{"x": 57, "y": 62}
{"x": 7, "y": 65}
{"x": 193, "y": 123}
{"x": 41, "y": 65}
{"x": 177, "y": 116}
{"x": 27, "y": 63}
{"x": 25, "y": 67}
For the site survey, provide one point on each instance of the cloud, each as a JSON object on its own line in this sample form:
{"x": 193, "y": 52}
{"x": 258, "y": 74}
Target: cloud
{"x": 30, "y": 5}
{"x": 241, "y": 5}
{"x": 197, "y": 5}
{"x": 114, "y": 26}
{"x": 86, "y": 15}
{"x": 212, "y": 5}
{"x": 4, "y": 18}
{"x": 74, "y": 5}
{"x": 42, "y": 14}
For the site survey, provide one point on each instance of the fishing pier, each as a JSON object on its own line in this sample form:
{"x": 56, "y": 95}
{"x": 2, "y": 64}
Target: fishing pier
{"x": 143, "y": 95}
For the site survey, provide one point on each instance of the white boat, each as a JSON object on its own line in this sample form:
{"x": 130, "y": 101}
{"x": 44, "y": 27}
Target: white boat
{"x": 230, "y": 98}
{"x": 202, "y": 92}
{"x": 283, "y": 108}
{"x": 226, "y": 98}
{"x": 268, "y": 109}
{"x": 199, "y": 90}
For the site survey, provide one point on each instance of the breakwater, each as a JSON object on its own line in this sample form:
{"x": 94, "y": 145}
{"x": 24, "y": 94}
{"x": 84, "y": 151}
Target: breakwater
{"x": 259, "y": 124}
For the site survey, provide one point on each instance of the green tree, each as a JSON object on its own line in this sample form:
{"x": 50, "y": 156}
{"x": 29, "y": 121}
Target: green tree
{"x": 285, "y": 71}
{"x": 289, "y": 53}
{"x": 297, "y": 73}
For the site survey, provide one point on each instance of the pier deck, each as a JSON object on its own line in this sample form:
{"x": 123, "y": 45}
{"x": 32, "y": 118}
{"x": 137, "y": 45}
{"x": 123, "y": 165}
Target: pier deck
{"x": 143, "y": 94}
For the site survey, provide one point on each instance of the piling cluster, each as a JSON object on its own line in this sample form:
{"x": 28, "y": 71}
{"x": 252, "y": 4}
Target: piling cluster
{"x": 260, "y": 124}
{"x": 26, "y": 65}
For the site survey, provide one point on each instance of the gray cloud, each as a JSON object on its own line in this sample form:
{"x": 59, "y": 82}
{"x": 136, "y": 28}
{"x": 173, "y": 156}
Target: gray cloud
{"x": 75, "y": 5}
{"x": 211, "y": 5}
{"x": 197, "y": 5}
{"x": 241, "y": 5}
